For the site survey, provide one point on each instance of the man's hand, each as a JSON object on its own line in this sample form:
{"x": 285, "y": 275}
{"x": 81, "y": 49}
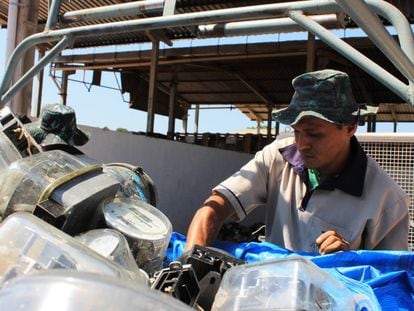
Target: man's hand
{"x": 330, "y": 242}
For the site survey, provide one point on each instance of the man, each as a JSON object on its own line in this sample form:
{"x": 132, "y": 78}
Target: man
{"x": 57, "y": 126}
{"x": 56, "y": 129}
{"x": 321, "y": 192}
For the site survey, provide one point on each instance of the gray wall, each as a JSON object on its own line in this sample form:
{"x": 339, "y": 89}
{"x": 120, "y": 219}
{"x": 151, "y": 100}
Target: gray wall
{"x": 183, "y": 173}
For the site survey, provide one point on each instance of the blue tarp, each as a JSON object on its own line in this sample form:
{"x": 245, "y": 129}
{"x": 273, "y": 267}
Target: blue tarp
{"x": 390, "y": 274}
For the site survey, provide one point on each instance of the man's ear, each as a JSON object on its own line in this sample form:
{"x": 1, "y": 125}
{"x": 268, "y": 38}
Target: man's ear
{"x": 351, "y": 129}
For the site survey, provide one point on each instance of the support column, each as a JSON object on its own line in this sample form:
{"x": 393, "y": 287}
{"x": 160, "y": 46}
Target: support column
{"x": 171, "y": 109}
{"x": 374, "y": 123}
{"x": 369, "y": 124}
{"x": 269, "y": 123}
{"x": 22, "y": 22}
{"x": 196, "y": 118}
{"x": 152, "y": 92}
{"x": 38, "y": 89}
{"x": 185, "y": 121}
{"x": 64, "y": 87}
{"x": 310, "y": 52}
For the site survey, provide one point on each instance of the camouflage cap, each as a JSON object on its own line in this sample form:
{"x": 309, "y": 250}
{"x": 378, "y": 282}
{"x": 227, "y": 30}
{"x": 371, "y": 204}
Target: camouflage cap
{"x": 57, "y": 125}
{"x": 324, "y": 94}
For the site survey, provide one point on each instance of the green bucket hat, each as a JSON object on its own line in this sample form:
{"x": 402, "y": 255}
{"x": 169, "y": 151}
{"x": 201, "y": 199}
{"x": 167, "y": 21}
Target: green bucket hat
{"x": 324, "y": 94}
{"x": 57, "y": 125}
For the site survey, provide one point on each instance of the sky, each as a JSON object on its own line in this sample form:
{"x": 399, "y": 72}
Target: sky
{"x": 103, "y": 107}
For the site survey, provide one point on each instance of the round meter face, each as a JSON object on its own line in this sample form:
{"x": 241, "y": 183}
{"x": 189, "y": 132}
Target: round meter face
{"x": 135, "y": 219}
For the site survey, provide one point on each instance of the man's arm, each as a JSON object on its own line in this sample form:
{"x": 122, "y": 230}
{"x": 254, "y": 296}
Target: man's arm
{"x": 208, "y": 221}
{"x": 396, "y": 237}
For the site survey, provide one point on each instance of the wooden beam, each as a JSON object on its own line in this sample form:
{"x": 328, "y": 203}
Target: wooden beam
{"x": 93, "y": 61}
{"x": 152, "y": 92}
{"x": 310, "y": 52}
{"x": 254, "y": 88}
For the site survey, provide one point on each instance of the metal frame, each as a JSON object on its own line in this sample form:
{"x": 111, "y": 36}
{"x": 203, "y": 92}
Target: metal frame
{"x": 362, "y": 12}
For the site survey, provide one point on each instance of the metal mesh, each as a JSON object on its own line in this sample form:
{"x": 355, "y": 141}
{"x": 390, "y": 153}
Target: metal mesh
{"x": 395, "y": 154}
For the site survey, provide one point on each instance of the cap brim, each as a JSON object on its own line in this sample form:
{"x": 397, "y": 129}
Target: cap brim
{"x": 52, "y": 139}
{"x": 80, "y": 137}
{"x": 291, "y": 116}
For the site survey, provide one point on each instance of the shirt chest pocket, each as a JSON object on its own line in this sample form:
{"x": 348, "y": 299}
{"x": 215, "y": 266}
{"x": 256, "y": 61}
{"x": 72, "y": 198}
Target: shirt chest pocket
{"x": 313, "y": 226}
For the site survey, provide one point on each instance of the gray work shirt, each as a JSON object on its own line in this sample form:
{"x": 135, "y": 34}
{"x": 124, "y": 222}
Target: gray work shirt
{"x": 363, "y": 204}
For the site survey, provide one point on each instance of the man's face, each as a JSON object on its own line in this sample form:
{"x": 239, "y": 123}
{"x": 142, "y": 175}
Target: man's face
{"x": 323, "y": 145}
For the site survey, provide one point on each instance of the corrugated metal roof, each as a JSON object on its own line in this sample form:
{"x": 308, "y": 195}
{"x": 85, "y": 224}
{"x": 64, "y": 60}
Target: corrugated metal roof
{"x": 182, "y": 6}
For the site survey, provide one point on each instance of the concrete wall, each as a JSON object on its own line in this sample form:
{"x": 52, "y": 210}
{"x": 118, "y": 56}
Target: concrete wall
{"x": 183, "y": 173}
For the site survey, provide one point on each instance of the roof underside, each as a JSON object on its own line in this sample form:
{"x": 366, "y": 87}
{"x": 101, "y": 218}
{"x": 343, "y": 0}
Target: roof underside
{"x": 251, "y": 77}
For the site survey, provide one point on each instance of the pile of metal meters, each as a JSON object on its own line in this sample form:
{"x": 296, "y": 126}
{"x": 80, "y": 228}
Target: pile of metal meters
{"x": 43, "y": 269}
{"x": 94, "y": 221}
{"x": 75, "y": 198}
{"x": 76, "y": 234}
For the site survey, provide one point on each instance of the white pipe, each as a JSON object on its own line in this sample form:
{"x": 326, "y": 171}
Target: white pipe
{"x": 400, "y": 23}
{"x": 11, "y": 28}
{"x": 370, "y": 23}
{"x": 257, "y": 27}
{"x": 112, "y": 11}
{"x": 353, "y": 55}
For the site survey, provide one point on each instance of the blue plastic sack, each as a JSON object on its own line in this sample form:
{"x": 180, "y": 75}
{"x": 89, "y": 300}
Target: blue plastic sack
{"x": 387, "y": 276}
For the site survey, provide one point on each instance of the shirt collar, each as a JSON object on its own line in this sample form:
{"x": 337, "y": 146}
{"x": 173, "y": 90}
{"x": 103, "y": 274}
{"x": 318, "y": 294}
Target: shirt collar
{"x": 292, "y": 155}
{"x": 351, "y": 180}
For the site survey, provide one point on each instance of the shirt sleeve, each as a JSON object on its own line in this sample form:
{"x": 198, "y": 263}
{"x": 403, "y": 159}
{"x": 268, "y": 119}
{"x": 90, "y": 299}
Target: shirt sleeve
{"x": 247, "y": 189}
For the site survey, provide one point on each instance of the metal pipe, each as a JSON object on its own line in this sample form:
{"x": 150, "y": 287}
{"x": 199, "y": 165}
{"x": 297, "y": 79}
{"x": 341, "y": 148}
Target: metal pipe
{"x": 400, "y": 23}
{"x": 370, "y": 23}
{"x": 18, "y": 52}
{"x": 257, "y": 27}
{"x": 113, "y": 11}
{"x": 12, "y": 20}
{"x": 214, "y": 16}
{"x": 38, "y": 89}
{"x": 353, "y": 55}
{"x": 53, "y": 14}
{"x": 64, "y": 43}
{"x": 190, "y": 19}
{"x": 169, "y": 7}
